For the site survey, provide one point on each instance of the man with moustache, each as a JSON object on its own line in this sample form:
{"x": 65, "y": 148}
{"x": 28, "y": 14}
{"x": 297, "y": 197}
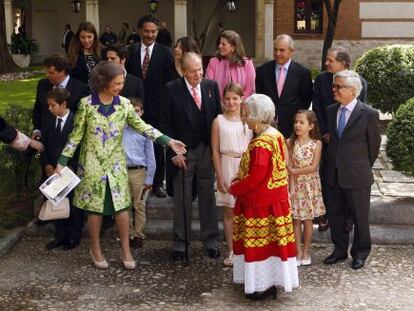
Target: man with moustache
{"x": 192, "y": 104}
{"x": 149, "y": 62}
{"x": 286, "y": 82}
{"x": 337, "y": 59}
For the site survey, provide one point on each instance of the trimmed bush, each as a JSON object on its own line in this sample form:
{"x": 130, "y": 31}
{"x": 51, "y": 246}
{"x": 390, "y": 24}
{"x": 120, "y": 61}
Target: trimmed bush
{"x": 389, "y": 71}
{"x": 15, "y": 195}
{"x": 400, "y": 144}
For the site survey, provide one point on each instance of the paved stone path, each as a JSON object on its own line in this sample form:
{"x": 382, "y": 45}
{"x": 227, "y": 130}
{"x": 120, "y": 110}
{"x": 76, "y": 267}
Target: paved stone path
{"x": 388, "y": 182}
{"x": 32, "y": 278}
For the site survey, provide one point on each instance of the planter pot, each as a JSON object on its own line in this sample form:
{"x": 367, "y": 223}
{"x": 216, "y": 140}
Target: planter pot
{"x": 21, "y": 60}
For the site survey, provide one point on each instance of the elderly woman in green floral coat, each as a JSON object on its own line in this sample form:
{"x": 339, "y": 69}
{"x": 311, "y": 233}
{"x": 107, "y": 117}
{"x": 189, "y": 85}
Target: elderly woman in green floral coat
{"x": 98, "y": 128}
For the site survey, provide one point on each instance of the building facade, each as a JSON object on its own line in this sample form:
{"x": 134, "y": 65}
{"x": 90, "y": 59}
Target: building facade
{"x": 362, "y": 24}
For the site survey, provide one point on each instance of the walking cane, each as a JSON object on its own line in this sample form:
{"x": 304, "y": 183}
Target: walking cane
{"x": 185, "y": 217}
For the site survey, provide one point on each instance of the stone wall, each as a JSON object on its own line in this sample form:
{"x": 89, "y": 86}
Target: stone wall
{"x": 309, "y": 52}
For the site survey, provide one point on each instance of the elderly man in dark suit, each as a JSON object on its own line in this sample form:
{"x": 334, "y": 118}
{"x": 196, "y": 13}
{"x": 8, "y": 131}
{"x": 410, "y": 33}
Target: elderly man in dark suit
{"x": 133, "y": 86}
{"x": 149, "y": 62}
{"x": 337, "y": 59}
{"x": 57, "y": 72}
{"x": 286, "y": 82}
{"x": 192, "y": 104}
{"x": 353, "y": 147}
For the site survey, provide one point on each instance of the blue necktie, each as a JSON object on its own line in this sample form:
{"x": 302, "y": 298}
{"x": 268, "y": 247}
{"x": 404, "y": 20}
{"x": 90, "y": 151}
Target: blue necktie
{"x": 341, "y": 122}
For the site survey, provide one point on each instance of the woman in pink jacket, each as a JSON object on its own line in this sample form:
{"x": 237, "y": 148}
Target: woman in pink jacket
{"x": 231, "y": 64}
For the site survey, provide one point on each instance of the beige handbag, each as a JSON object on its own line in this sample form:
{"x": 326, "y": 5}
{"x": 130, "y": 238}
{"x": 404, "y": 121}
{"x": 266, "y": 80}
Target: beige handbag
{"x": 51, "y": 212}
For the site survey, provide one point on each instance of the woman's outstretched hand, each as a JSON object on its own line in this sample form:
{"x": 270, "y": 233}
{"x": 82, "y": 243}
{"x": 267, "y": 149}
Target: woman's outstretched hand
{"x": 177, "y": 146}
{"x": 58, "y": 169}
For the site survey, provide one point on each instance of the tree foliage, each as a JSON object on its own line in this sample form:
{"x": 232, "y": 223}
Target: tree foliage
{"x": 389, "y": 71}
{"x": 400, "y": 144}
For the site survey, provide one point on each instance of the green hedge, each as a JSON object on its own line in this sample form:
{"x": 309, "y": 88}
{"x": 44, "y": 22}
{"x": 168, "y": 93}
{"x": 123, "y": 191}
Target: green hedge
{"x": 15, "y": 196}
{"x": 389, "y": 71}
{"x": 400, "y": 144}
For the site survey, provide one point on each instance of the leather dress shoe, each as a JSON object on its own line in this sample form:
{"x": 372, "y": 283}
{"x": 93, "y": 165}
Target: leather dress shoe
{"x": 137, "y": 242}
{"x": 54, "y": 244}
{"x": 334, "y": 258}
{"x": 357, "y": 264}
{"x": 71, "y": 244}
{"x": 213, "y": 252}
{"x": 159, "y": 192}
{"x": 177, "y": 256}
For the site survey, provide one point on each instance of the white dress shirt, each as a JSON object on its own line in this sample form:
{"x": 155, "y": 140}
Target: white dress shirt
{"x": 190, "y": 88}
{"x": 64, "y": 118}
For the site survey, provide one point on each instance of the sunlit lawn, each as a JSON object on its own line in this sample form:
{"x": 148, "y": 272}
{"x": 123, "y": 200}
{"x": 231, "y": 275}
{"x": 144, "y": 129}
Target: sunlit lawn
{"x": 18, "y": 93}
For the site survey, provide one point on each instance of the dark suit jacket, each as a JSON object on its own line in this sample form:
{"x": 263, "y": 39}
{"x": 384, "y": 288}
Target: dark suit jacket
{"x": 351, "y": 157}
{"x": 158, "y": 75}
{"x": 323, "y": 97}
{"x": 296, "y": 94}
{"x": 76, "y": 88}
{"x": 55, "y": 143}
{"x": 177, "y": 120}
{"x": 133, "y": 88}
{"x": 68, "y": 39}
{"x": 7, "y": 133}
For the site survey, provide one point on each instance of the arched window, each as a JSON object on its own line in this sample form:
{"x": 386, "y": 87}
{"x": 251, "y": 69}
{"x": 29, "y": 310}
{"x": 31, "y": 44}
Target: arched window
{"x": 308, "y": 16}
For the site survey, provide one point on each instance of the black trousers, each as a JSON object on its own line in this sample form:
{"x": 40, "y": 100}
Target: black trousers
{"x": 70, "y": 229}
{"x": 159, "y": 175}
{"x": 342, "y": 204}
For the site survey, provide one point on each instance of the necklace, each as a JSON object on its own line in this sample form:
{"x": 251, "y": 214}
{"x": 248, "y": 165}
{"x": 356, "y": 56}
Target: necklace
{"x": 104, "y": 102}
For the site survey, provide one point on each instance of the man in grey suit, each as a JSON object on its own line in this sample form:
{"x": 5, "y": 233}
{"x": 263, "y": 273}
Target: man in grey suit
{"x": 353, "y": 147}
{"x": 191, "y": 106}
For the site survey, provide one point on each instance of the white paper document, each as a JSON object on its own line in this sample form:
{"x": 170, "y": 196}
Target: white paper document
{"x": 56, "y": 187}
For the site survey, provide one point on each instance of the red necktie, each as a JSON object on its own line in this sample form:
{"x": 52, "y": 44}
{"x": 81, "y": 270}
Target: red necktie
{"x": 145, "y": 63}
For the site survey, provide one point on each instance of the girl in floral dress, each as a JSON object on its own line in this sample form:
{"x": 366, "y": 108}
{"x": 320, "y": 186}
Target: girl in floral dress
{"x": 304, "y": 183}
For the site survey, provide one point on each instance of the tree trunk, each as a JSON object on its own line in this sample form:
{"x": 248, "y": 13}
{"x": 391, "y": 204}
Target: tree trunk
{"x": 6, "y": 62}
{"x": 332, "y": 13}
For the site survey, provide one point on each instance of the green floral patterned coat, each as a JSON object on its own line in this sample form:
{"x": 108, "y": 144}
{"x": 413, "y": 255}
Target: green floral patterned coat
{"x": 99, "y": 133}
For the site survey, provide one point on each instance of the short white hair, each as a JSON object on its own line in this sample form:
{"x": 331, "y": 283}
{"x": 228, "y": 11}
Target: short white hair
{"x": 261, "y": 107}
{"x": 352, "y": 79}
{"x": 287, "y": 38}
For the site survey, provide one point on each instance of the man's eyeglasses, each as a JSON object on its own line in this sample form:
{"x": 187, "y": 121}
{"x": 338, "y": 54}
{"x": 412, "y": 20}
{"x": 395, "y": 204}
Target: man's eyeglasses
{"x": 339, "y": 87}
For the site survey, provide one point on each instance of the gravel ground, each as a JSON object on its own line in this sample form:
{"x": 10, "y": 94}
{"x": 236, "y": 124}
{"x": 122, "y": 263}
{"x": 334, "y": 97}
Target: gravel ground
{"x": 35, "y": 279}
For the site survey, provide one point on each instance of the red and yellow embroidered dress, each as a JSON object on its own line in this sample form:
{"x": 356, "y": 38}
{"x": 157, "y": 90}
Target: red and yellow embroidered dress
{"x": 263, "y": 241}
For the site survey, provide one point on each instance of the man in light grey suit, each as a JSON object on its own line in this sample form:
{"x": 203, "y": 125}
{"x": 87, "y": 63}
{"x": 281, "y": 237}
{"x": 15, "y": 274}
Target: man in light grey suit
{"x": 352, "y": 150}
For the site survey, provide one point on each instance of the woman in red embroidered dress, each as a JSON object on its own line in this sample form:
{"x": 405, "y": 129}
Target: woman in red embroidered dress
{"x": 263, "y": 239}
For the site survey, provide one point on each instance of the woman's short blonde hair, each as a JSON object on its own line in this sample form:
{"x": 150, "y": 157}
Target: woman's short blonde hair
{"x": 262, "y": 108}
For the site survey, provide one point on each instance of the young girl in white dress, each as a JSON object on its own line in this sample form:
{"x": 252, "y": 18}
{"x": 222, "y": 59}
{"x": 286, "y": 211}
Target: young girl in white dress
{"x": 229, "y": 139}
{"x": 305, "y": 150}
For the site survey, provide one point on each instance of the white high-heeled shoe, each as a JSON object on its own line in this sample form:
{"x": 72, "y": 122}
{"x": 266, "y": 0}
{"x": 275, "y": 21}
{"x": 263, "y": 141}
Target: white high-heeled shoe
{"x": 128, "y": 264}
{"x": 306, "y": 262}
{"x": 103, "y": 264}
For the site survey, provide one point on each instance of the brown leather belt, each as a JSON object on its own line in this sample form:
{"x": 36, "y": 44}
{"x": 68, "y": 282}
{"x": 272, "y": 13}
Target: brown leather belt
{"x": 136, "y": 167}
